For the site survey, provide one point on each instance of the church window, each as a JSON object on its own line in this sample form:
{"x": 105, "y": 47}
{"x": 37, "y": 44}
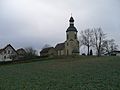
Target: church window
{"x": 75, "y": 36}
{"x": 67, "y": 36}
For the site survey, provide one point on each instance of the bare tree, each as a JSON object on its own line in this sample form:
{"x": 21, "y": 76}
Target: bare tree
{"x": 86, "y": 38}
{"x": 109, "y": 46}
{"x": 46, "y": 46}
{"x": 30, "y": 52}
{"x": 98, "y": 40}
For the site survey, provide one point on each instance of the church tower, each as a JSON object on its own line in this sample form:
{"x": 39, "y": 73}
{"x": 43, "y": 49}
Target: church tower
{"x": 71, "y": 43}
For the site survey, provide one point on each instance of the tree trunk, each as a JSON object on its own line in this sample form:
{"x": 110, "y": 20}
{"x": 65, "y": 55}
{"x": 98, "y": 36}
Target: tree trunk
{"x": 99, "y": 53}
{"x": 88, "y": 50}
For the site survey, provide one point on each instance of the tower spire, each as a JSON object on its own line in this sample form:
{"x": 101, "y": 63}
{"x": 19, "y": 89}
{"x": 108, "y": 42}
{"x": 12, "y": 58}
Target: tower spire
{"x": 71, "y": 14}
{"x": 71, "y": 20}
{"x": 71, "y": 27}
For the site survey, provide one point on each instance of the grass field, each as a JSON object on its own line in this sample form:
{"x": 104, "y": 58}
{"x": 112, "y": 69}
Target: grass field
{"x": 83, "y": 73}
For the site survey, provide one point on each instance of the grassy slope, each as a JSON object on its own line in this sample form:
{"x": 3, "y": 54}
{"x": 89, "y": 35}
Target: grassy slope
{"x": 85, "y": 73}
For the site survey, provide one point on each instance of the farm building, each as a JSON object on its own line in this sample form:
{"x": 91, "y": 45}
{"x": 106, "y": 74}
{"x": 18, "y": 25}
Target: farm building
{"x": 21, "y": 53}
{"x": 50, "y": 51}
{"x": 8, "y": 53}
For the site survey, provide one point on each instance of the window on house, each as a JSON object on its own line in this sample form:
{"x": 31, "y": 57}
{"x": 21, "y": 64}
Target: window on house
{"x": 4, "y": 57}
{"x": 8, "y": 51}
{"x": 10, "y": 57}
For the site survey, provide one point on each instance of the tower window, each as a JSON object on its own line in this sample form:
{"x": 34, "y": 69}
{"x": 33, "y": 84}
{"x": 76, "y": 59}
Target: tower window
{"x": 75, "y": 36}
{"x": 67, "y": 36}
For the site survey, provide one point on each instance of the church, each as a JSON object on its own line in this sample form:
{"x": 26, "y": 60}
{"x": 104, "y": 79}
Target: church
{"x": 70, "y": 46}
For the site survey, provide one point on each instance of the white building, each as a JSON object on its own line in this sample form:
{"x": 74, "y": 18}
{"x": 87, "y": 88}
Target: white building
{"x": 8, "y": 53}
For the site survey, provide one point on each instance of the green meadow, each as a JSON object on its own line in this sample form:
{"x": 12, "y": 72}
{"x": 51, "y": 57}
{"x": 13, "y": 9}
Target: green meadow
{"x": 69, "y": 73}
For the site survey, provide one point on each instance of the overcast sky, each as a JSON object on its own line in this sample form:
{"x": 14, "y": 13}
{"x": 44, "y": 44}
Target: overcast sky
{"x": 35, "y": 23}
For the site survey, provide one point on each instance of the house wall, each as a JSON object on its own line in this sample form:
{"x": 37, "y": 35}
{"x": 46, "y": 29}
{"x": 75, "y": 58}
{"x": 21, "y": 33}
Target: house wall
{"x": 52, "y": 52}
{"x": 44, "y": 54}
{"x": 7, "y": 53}
{"x": 1, "y": 58}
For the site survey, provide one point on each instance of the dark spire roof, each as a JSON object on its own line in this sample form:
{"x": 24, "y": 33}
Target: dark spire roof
{"x": 71, "y": 19}
{"x": 71, "y": 27}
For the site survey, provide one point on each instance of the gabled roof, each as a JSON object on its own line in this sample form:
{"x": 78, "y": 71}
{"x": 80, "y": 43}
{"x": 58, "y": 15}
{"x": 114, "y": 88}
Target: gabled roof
{"x": 60, "y": 46}
{"x": 46, "y": 50}
{"x": 21, "y": 50}
{"x": 71, "y": 28}
{"x": 1, "y": 50}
